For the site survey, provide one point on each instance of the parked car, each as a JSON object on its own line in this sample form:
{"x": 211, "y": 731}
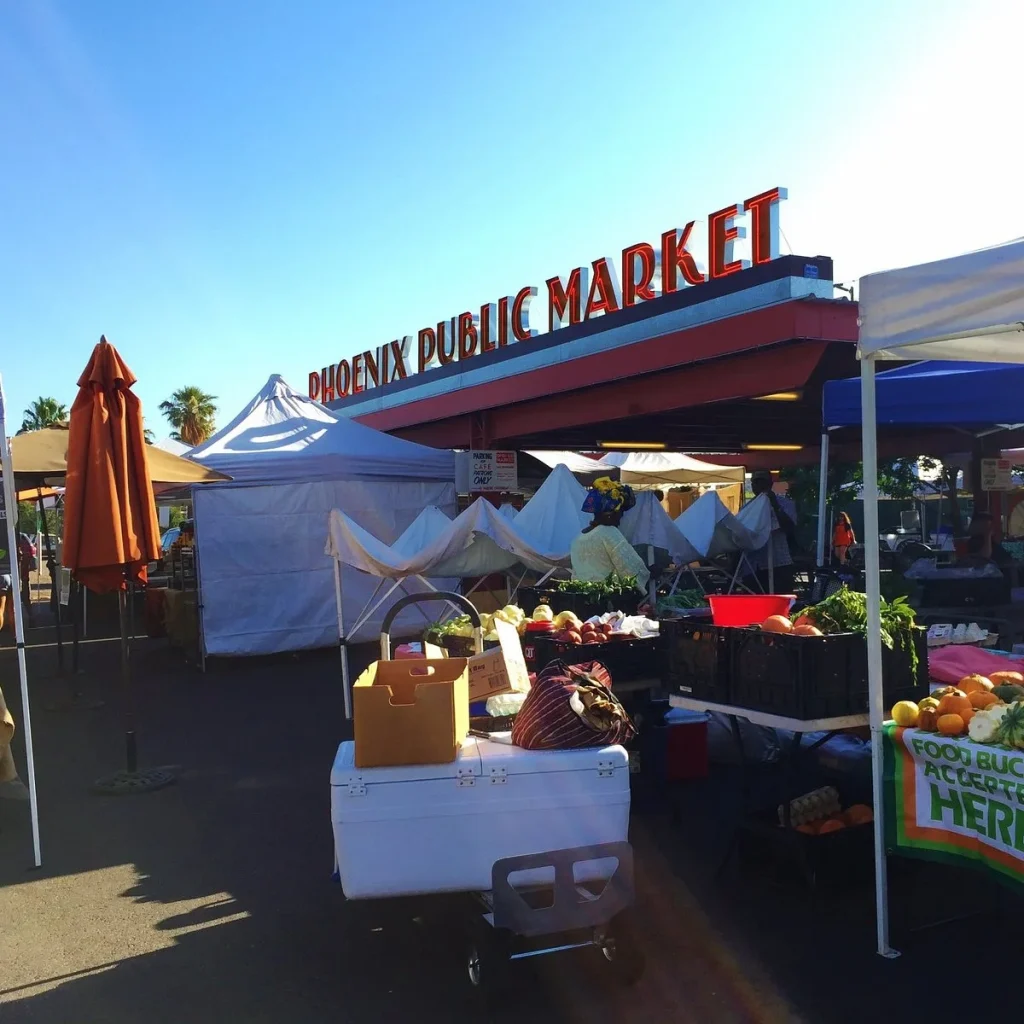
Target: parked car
{"x": 169, "y": 537}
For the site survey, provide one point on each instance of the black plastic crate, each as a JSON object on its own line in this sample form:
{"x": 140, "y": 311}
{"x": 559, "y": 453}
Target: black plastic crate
{"x": 626, "y": 660}
{"x": 697, "y": 659}
{"x": 818, "y": 677}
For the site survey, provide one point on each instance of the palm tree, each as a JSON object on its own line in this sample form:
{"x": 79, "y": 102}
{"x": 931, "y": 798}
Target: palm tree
{"x": 43, "y": 412}
{"x": 191, "y": 412}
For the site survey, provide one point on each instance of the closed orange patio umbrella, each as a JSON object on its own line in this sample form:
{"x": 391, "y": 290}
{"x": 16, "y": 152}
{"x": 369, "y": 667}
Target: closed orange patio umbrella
{"x": 111, "y": 532}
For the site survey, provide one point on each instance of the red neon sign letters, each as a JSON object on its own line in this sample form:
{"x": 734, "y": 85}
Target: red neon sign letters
{"x": 642, "y": 274}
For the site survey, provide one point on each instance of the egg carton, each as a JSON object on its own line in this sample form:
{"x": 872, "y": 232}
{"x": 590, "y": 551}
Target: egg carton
{"x": 942, "y": 634}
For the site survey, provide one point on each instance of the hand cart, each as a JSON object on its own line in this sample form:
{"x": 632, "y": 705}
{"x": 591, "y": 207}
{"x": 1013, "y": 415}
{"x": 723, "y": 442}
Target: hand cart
{"x": 545, "y": 902}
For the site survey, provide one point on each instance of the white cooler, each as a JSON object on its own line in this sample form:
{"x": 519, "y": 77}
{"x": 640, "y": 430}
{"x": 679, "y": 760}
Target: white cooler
{"x": 440, "y": 827}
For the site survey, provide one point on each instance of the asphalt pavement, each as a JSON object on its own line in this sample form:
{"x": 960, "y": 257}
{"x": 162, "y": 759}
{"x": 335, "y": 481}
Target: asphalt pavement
{"x": 212, "y": 899}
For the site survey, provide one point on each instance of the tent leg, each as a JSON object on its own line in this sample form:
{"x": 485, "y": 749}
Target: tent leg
{"x": 874, "y": 641}
{"x": 11, "y": 505}
{"x": 822, "y": 498}
{"x": 346, "y": 685}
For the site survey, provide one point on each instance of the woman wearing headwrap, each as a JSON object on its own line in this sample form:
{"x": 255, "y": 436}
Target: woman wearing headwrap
{"x": 601, "y": 549}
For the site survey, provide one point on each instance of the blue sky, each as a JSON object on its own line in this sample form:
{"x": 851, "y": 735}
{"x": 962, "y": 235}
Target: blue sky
{"x": 233, "y": 188}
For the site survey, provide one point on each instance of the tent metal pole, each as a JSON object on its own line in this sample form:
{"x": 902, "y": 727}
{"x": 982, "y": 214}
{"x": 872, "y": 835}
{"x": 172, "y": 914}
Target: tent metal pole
{"x": 11, "y": 506}
{"x": 874, "y": 642}
{"x": 822, "y": 498}
{"x": 342, "y": 645}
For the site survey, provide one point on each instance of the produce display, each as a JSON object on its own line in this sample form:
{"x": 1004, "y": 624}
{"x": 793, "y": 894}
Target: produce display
{"x": 462, "y": 625}
{"x": 565, "y": 626}
{"x": 987, "y": 709}
{"x": 846, "y": 611}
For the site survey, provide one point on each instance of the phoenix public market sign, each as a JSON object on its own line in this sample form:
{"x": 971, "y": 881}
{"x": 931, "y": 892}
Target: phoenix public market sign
{"x": 643, "y": 273}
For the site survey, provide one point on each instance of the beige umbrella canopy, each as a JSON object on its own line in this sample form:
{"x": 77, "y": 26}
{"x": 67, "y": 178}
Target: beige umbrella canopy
{"x": 41, "y": 456}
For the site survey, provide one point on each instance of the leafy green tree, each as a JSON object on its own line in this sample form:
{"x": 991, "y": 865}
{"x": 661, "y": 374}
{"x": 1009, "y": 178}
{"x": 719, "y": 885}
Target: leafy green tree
{"x": 43, "y": 412}
{"x": 192, "y": 414}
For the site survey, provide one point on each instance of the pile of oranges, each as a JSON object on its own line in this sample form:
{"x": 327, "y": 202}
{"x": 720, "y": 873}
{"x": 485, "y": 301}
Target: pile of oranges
{"x": 949, "y": 711}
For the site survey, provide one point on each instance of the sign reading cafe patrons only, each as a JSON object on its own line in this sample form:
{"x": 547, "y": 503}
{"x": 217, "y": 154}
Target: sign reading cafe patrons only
{"x": 607, "y": 286}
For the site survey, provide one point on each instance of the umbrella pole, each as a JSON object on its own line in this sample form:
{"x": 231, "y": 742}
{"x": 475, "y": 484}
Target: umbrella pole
{"x": 130, "y": 742}
{"x": 132, "y": 779}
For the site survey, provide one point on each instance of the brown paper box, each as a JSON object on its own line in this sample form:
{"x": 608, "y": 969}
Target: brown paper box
{"x": 410, "y": 711}
{"x": 501, "y": 669}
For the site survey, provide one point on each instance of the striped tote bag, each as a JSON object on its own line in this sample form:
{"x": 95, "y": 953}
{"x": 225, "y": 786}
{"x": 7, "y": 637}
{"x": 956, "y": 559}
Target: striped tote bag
{"x": 571, "y": 706}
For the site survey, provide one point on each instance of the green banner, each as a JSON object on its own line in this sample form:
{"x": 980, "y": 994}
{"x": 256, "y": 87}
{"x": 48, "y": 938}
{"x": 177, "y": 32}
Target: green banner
{"x": 953, "y": 800}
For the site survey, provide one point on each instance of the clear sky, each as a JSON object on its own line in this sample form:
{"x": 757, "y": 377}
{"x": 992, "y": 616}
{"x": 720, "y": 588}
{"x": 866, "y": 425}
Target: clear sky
{"x": 233, "y": 188}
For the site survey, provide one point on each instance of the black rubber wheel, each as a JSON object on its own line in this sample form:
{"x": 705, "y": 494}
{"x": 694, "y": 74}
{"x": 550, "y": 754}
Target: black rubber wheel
{"x": 621, "y": 950}
{"x": 487, "y": 963}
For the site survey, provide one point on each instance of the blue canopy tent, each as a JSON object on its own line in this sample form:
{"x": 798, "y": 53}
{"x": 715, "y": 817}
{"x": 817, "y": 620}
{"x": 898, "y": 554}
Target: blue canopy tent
{"x": 964, "y": 394}
{"x": 971, "y": 396}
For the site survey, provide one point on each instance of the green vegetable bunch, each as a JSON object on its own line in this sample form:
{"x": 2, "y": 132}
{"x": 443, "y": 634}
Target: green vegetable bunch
{"x": 682, "y": 600}
{"x": 613, "y": 585}
{"x": 846, "y": 611}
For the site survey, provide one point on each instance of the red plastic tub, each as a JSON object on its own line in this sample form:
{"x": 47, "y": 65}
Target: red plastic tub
{"x": 748, "y": 609}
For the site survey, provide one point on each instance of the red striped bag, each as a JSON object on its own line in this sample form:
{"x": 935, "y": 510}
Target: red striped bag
{"x": 548, "y": 719}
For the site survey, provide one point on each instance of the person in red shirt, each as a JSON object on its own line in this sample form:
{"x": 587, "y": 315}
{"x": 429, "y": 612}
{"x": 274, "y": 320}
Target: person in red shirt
{"x": 843, "y": 537}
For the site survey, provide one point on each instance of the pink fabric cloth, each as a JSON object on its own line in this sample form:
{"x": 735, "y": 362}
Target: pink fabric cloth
{"x": 950, "y": 664}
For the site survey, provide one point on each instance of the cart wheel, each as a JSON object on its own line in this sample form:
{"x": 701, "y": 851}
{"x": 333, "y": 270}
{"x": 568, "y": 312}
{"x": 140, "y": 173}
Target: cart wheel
{"x": 618, "y": 943}
{"x": 487, "y": 962}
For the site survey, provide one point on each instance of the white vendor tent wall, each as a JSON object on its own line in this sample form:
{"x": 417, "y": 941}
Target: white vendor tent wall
{"x": 267, "y": 585}
{"x": 968, "y": 308}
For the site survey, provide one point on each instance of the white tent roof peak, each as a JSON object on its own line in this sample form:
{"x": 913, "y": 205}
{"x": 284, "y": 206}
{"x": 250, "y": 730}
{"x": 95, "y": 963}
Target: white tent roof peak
{"x": 282, "y": 434}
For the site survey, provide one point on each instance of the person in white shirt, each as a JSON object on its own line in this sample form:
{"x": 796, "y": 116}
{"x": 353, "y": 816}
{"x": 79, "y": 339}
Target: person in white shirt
{"x": 601, "y": 549}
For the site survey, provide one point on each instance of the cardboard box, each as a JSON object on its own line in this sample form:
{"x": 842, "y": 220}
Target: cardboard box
{"x": 411, "y": 711}
{"x": 501, "y": 669}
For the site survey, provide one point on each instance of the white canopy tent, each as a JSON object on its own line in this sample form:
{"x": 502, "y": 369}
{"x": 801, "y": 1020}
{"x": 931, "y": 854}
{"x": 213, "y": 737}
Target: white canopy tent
{"x": 480, "y": 541}
{"x": 969, "y": 308}
{"x": 554, "y": 516}
{"x": 267, "y": 584}
{"x": 573, "y": 461}
{"x": 713, "y": 530}
{"x": 648, "y": 525}
{"x": 660, "y": 469}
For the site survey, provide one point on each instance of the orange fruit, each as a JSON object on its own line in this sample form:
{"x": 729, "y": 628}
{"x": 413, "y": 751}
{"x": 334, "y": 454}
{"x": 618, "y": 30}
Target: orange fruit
{"x": 982, "y": 699}
{"x": 928, "y": 719}
{"x": 951, "y": 724}
{"x": 1006, "y": 677}
{"x": 971, "y": 684}
{"x": 967, "y": 716}
{"x": 954, "y": 704}
{"x": 777, "y": 624}
{"x": 806, "y": 629}
{"x": 830, "y": 825}
{"x": 810, "y": 829}
{"x": 858, "y": 814}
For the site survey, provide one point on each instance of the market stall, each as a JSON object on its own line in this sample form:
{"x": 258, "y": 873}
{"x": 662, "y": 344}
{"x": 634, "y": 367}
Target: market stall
{"x": 266, "y": 584}
{"x": 969, "y": 308}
